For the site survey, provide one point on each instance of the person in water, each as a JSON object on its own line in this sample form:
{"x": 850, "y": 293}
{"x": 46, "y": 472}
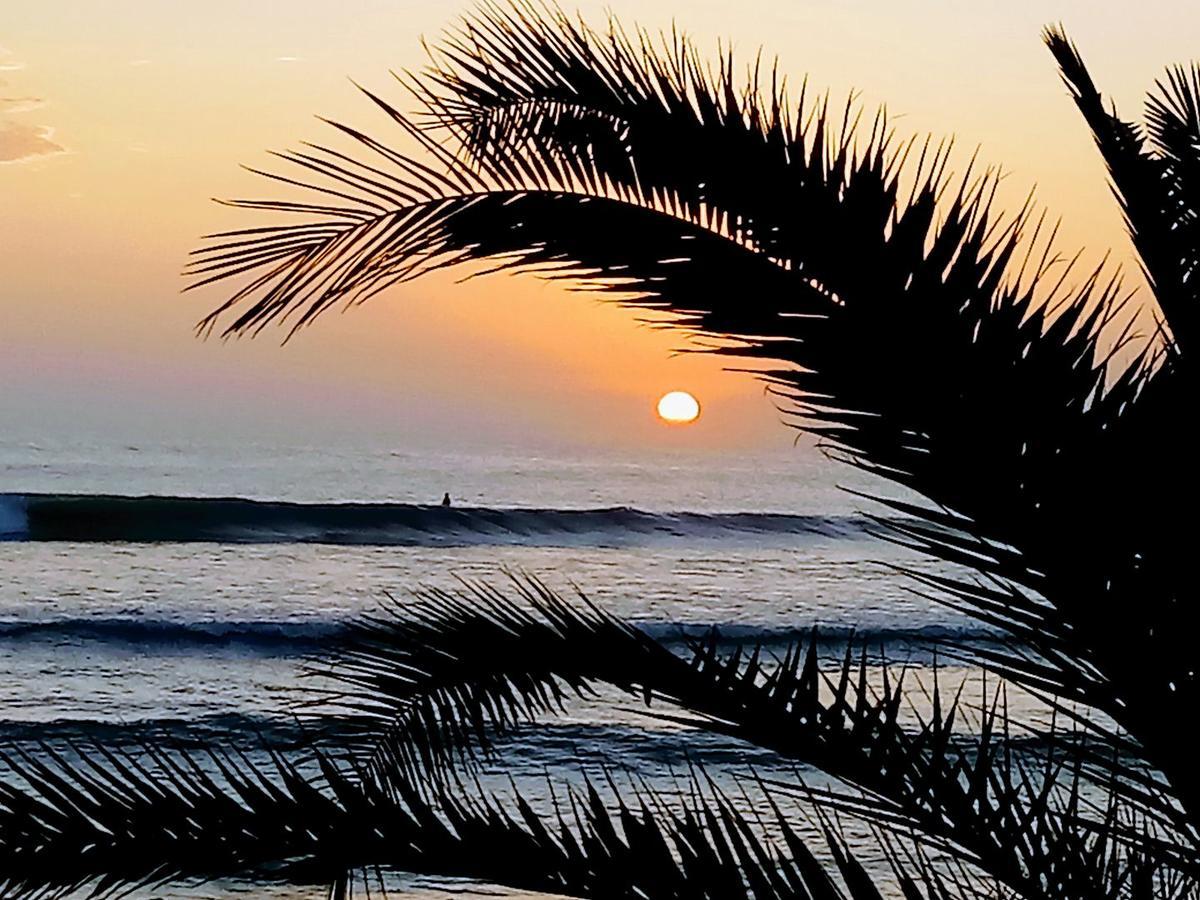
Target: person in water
{"x": 446, "y": 499}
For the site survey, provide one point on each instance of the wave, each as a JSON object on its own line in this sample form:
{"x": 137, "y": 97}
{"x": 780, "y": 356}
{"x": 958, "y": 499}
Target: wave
{"x": 274, "y": 637}
{"x": 287, "y": 638}
{"x": 872, "y": 635}
{"x": 529, "y": 750}
{"x": 113, "y": 518}
{"x": 226, "y": 730}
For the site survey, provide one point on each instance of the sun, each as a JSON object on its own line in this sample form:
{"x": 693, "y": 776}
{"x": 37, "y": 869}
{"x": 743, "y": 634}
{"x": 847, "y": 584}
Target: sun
{"x": 678, "y": 408}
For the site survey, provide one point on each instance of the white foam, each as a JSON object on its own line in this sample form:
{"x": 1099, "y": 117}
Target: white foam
{"x": 14, "y": 522}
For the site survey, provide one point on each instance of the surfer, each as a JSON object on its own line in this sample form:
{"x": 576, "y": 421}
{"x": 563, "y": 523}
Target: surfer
{"x": 446, "y": 499}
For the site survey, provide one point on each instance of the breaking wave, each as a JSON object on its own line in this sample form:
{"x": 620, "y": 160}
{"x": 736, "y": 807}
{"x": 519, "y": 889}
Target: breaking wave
{"x": 153, "y": 519}
{"x": 287, "y": 638}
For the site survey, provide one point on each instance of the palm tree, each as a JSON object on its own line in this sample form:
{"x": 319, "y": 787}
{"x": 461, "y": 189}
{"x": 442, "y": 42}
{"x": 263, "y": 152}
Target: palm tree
{"x": 920, "y": 335}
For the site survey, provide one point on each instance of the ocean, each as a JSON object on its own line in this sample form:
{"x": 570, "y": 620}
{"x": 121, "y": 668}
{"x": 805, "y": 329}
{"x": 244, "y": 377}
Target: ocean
{"x": 180, "y": 591}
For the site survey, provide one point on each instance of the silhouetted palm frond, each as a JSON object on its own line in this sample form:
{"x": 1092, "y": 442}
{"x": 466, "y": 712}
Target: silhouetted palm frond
{"x": 108, "y": 822}
{"x": 442, "y": 675}
{"x": 1155, "y": 181}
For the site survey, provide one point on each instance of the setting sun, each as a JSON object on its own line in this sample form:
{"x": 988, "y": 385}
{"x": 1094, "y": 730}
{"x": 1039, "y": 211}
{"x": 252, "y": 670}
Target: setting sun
{"x": 678, "y": 408}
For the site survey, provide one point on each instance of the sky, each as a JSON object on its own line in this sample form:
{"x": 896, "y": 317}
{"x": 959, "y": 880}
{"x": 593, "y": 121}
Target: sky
{"x": 119, "y": 122}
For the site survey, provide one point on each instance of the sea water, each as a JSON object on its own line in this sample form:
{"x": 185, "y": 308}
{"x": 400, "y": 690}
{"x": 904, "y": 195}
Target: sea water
{"x": 155, "y": 591}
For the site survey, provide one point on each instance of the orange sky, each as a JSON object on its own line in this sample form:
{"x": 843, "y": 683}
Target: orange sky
{"x": 119, "y": 120}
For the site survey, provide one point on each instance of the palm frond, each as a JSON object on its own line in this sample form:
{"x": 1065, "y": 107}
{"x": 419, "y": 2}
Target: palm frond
{"x": 524, "y": 89}
{"x": 107, "y": 823}
{"x": 442, "y": 675}
{"x": 1157, "y": 191}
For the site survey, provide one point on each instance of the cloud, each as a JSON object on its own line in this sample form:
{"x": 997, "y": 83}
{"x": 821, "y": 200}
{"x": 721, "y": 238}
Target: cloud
{"x": 19, "y": 142}
{"x": 7, "y": 63}
{"x": 288, "y": 59}
{"x": 19, "y": 104}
